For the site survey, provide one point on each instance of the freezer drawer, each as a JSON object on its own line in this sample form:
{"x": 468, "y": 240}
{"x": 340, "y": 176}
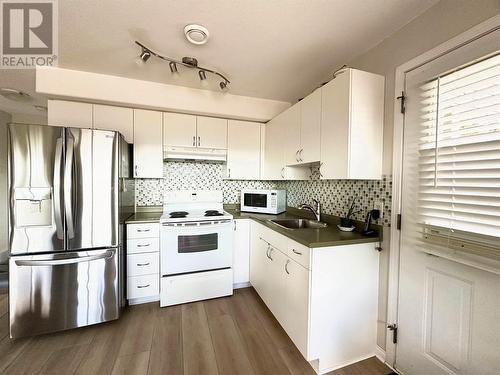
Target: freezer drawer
{"x": 60, "y": 291}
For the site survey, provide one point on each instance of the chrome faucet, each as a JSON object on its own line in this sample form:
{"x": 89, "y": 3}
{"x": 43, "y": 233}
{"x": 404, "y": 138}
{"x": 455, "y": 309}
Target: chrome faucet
{"x": 316, "y": 212}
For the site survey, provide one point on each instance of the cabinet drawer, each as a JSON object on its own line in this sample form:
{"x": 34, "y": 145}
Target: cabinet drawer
{"x": 142, "y": 264}
{"x": 143, "y": 230}
{"x": 275, "y": 239}
{"x": 143, "y": 245}
{"x": 299, "y": 253}
{"x": 143, "y": 286}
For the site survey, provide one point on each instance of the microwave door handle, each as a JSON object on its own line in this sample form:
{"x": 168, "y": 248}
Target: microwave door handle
{"x": 57, "y": 189}
{"x": 68, "y": 187}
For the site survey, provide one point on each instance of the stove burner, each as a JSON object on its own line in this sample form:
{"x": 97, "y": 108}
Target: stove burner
{"x": 213, "y": 213}
{"x": 178, "y": 214}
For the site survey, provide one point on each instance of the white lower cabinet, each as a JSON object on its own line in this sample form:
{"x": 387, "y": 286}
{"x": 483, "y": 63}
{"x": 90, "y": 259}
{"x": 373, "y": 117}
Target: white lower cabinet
{"x": 241, "y": 253}
{"x": 143, "y": 263}
{"x": 326, "y": 299}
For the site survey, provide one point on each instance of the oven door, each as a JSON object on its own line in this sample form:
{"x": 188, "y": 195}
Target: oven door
{"x": 192, "y": 247}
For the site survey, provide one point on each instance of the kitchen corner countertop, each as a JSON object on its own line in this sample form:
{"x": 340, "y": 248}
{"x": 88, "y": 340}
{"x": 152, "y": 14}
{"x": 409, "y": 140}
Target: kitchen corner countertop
{"x": 144, "y": 217}
{"x": 323, "y": 237}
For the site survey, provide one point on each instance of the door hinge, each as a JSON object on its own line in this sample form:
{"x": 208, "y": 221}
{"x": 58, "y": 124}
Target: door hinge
{"x": 398, "y": 222}
{"x": 402, "y": 99}
{"x": 394, "y": 329}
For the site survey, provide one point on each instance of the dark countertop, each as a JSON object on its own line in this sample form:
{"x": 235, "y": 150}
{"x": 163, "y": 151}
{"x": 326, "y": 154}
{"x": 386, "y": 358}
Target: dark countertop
{"x": 144, "y": 217}
{"x": 329, "y": 236}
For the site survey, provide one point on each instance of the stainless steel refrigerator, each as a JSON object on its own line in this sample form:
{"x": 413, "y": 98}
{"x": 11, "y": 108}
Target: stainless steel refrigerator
{"x": 65, "y": 227}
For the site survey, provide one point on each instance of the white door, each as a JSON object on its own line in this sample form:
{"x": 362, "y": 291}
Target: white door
{"x": 274, "y": 166}
{"x": 258, "y": 259}
{"x": 275, "y": 284}
{"x": 335, "y": 117}
{"x": 69, "y": 114}
{"x": 310, "y": 124}
{"x": 179, "y": 130}
{"x": 241, "y": 251}
{"x": 243, "y": 150}
{"x": 449, "y": 306}
{"x": 120, "y": 119}
{"x": 291, "y": 134}
{"x": 297, "y": 304}
{"x": 148, "y": 150}
{"x": 211, "y": 132}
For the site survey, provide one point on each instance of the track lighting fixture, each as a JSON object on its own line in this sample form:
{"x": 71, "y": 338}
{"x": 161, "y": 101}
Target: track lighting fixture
{"x": 173, "y": 67}
{"x": 188, "y": 62}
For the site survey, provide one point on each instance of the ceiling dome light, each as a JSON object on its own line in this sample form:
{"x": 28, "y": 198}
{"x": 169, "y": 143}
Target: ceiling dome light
{"x": 196, "y": 34}
{"x": 203, "y": 75}
{"x": 173, "y": 67}
{"x": 15, "y": 95}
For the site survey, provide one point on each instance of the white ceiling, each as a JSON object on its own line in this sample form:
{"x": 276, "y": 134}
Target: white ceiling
{"x": 275, "y": 49}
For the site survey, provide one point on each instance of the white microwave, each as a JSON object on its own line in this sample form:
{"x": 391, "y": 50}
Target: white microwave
{"x": 263, "y": 201}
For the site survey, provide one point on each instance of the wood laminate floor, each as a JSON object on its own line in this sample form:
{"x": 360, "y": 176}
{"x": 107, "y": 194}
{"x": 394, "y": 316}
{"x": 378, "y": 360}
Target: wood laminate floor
{"x": 228, "y": 336}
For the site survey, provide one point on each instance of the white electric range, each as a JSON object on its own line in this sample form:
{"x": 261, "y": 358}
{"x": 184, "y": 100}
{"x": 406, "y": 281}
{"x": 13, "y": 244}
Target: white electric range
{"x": 196, "y": 247}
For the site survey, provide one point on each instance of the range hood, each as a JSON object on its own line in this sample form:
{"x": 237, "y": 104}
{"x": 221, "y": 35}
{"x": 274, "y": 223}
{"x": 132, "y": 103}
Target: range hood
{"x": 194, "y": 153}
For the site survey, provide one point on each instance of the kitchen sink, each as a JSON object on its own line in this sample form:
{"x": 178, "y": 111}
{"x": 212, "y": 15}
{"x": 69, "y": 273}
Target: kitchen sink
{"x": 299, "y": 223}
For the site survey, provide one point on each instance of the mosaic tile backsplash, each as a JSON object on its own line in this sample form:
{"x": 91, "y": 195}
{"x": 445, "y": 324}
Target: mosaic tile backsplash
{"x": 335, "y": 195}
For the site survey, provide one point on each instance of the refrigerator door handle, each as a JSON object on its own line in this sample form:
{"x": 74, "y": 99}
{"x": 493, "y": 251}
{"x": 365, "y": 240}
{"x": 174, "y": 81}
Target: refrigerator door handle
{"x": 71, "y": 260}
{"x": 68, "y": 186}
{"x": 57, "y": 189}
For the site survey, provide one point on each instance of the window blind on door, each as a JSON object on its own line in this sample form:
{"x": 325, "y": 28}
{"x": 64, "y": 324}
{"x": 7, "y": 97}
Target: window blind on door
{"x": 459, "y": 158}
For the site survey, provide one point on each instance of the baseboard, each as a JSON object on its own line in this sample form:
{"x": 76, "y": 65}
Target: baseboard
{"x": 138, "y": 301}
{"x": 380, "y": 354}
{"x": 241, "y": 285}
{"x": 336, "y": 367}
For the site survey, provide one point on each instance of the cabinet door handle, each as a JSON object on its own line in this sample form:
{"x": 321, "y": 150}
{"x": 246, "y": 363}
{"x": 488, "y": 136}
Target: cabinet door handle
{"x": 199, "y": 140}
{"x": 297, "y": 252}
{"x": 143, "y": 286}
{"x": 271, "y": 253}
{"x": 136, "y": 171}
{"x": 286, "y": 266}
{"x": 143, "y": 230}
{"x": 194, "y": 140}
{"x": 229, "y": 173}
{"x": 283, "y": 172}
{"x": 300, "y": 154}
{"x": 297, "y": 155}
{"x": 145, "y": 245}
{"x": 234, "y": 225}
{"x": 143, "y": 264}
{"x": 267, "y": 251}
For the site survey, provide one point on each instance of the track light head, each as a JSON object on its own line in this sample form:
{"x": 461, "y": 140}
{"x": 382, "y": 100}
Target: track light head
{"x": 202, "y": 74}
{"x": 145, "y": 55}
{"x": 223, "y": 85}
{"x": 173, "y": 67}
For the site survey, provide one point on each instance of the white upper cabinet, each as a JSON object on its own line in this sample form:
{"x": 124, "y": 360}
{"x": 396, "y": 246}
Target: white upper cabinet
{"x": 243, "y": 150}
{"x": 148, "y": 150}
{"x": 274, "y": 161}
{"x": 69, "y": 114}
{"x": 310, "y": 128}
{"x": 291, "y": 134}
{"x": 352, "y": 120}
{"x": 182, "y": 130}
{"x": 211, "y": 132}
{"x": 119, "y": 119}
{"x": 179, "y": 130}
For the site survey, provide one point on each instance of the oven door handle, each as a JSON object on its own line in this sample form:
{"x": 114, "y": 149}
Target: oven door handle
{"x": 191, "y": 226}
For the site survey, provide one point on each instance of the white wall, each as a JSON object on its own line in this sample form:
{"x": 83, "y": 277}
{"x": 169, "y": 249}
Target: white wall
{"x": 23, "y": 118}
{"x": 440, "y": 23}
{"x": 101, "y": 88}
{"x": 4, "y": 119}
